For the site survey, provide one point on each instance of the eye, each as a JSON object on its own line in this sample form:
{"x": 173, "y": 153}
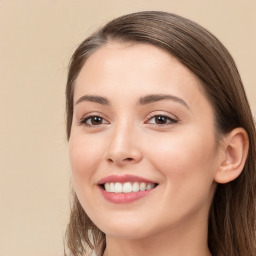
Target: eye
{"x": 93, "y": 121}
{"x": 161, "y": 120}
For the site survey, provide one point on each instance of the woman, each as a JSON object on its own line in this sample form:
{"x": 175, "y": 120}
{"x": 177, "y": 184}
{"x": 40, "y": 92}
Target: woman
{"x": 162, "y": 142}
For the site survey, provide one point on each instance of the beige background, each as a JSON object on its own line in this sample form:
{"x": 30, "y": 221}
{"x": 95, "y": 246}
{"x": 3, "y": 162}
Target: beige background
{"x": 36, "y": 41}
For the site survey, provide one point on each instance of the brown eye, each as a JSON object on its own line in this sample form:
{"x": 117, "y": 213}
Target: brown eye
{"x": 93, "y": 121}
{"x": 96, "y": 120}
{"x": 162, "y": 120}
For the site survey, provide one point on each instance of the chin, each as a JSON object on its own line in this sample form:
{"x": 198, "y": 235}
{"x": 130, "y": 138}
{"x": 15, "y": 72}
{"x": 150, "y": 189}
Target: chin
{"x": 125, "y": 230}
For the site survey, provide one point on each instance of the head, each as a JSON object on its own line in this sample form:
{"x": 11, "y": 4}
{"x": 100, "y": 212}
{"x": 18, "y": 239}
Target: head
{"x": 231, "y": 219}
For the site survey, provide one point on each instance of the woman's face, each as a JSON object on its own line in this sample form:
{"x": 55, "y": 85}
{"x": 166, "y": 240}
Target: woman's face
{"x": 143, "y": 129}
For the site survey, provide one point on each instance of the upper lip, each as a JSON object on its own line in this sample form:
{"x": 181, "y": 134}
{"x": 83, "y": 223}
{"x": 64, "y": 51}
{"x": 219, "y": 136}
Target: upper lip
{"x": 123, "y": 178}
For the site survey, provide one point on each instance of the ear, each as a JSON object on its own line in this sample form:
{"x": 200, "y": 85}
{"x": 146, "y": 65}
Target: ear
{"x": 233, "y": 156}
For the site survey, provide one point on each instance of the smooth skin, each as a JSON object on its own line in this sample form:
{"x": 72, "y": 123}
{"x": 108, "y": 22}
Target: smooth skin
{"x": 169, "y": 139}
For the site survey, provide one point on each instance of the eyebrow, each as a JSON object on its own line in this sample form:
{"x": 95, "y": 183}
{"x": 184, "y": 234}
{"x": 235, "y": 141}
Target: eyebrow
{"x": 158, "y": 97}
{"x": 151, "y": 98}
{"x": 93, "y": 98}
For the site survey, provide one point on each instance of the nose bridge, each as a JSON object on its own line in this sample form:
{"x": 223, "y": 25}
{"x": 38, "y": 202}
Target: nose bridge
{"x": 123, "y": 146}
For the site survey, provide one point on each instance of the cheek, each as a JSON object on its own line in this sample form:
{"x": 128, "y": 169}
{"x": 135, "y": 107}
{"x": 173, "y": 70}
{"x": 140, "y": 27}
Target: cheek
{"x": 186, "y": 161}
{"x": 85, "y": 155}
{"x": 188, "y": 169}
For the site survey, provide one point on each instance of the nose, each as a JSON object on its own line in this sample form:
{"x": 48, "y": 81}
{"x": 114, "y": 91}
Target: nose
{"x": 123, "y": 148}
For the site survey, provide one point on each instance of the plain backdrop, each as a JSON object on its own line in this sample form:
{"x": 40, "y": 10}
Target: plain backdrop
{"x": 37, "y": 39}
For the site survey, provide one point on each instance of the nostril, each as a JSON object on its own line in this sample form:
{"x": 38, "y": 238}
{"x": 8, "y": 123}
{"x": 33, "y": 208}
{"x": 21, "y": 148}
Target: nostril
{"x": 128, "y": 159}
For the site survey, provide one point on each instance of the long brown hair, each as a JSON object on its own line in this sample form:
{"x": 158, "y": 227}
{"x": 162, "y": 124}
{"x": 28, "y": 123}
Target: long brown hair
{"x": 232, "y": 217}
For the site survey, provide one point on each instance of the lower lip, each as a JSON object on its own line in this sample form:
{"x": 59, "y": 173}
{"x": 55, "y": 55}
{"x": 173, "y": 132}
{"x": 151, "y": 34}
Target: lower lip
{"x": 122, "y": 198}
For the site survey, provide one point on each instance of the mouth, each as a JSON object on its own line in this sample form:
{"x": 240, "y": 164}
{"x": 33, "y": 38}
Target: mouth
{"x": 126, "y": 188}
{"x": 126, "y": 184}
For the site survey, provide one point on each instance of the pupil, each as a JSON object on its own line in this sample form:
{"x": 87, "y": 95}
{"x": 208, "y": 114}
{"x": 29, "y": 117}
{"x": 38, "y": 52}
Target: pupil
{"x": 96, "y": 120}
{"x": 160, "y": 120}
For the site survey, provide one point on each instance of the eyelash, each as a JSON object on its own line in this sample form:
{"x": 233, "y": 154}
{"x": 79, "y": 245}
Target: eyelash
{"x": 166, "y": 118}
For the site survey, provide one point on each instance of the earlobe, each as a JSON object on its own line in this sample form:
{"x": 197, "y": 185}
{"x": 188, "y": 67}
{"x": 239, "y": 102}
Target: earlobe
{"x": 235, "y": 151}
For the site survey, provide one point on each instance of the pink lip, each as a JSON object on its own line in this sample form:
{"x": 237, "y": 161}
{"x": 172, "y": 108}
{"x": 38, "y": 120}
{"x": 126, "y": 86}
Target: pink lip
{"x": 123, "y": 179}
{"x": 121, "y": 198}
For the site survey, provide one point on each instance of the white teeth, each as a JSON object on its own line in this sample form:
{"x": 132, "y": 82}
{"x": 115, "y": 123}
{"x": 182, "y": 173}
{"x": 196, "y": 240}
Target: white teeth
{"x": 112, "y": 187}
{"x": 127, "y": 187}
{"x": 135, "y": 187}
{"x": 143, "y": 186}
{"x": 107, "y": 186}
{"x": 150, "y": 186}
{"x": 118, "y": 188}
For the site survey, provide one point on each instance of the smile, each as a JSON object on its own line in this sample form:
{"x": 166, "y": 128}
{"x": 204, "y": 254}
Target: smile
{"x": 128, "y": 187}
{"x": 125, "y": 189}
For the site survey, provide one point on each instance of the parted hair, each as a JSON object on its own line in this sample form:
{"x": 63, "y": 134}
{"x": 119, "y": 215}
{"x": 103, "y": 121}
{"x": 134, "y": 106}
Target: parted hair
{"x": 232, "y": 216}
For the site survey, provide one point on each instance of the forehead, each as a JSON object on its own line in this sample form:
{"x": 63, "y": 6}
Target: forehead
{"x": 133, "y": 56}
{"x": 133, "y": 63}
